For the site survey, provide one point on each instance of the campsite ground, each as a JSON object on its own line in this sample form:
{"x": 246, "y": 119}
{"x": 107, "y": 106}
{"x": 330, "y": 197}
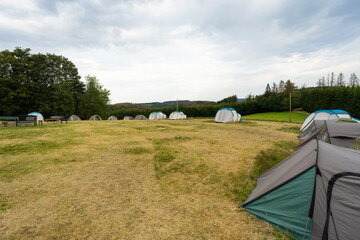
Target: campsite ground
{"x": 133, "y": 179}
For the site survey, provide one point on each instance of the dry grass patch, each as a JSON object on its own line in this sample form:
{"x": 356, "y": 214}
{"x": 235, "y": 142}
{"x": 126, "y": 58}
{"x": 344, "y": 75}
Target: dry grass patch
{"x": 132, "y": 179}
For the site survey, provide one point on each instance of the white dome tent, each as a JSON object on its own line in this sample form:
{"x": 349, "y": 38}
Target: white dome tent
{"x": 227, "y": 115}
{"x": 74, "y": 118}
{"x": 177, "y": 115}
{"x": 39, "y": 116}
{"x": 323, "y": 115}
{"x": 157, "y": 116}
{"x": 112, "y": 118}
{"x": 95, "y": 118}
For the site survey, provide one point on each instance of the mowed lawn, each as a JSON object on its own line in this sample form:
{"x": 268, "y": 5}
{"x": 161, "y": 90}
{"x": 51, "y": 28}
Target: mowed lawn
{"x": 278, "y": 116}
{"x": 132, "y": 179}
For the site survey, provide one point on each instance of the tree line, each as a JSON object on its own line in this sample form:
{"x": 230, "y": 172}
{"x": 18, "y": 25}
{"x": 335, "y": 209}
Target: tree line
{"x": 339, "y": 81}
{"x": 49, "y": 84}
{"x": 275, "y": 99}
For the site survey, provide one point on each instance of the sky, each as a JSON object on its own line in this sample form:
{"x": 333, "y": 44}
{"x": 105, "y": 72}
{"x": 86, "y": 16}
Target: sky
{"x": 154, "y": 50}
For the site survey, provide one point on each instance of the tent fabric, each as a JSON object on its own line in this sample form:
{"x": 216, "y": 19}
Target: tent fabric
{"x": 74, "y": 118}
{"x": 95, "y": 118}
{"x": 320, "y": 181}
{"x": 225, "y": 115}
{"x": 355, "y": 119}
{"x": 140, "y": 117}
{"x": 112, "y": 118}
{"x": 338, "y": 132}
{"x": 323, "y": 114}
{"x": 176, "y": 115}
{"x": 295, "y": 164}
{"x": 157, "y": 116}
{"x": 342, "y": 134}
{"x": 345, "y": 199}
{"x": 38, "y": 115}
{"x": 311, "y": 130}
{"x": 288, "y": 213}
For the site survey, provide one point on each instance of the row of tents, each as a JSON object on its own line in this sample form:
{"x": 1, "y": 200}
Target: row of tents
{"x": 315, "y": 192}
{"x": 176, "y": 115}
{"x": 224, "y": 115}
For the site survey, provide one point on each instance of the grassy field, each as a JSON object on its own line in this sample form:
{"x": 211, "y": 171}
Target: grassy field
{"x": 135, "y": 179}
{"x": 278, "y": 116}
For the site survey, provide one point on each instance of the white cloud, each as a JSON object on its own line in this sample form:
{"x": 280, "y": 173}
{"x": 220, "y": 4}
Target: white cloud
{"x": 155, "y": 50}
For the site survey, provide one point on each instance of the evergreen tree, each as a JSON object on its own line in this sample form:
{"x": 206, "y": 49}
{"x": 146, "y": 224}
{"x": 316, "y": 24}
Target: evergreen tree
{"x": 332, "y": 80}
{"x": 340, "y": 80}
{"x": 274, "y": 88}
{"x": 323, "y": 82}
{"x": 328, "y": 80}
{"x": 267, "y": 91}
{"x": 318, "y": 83}
{"x": 353, "y": 80}
{"x": 281, "y": 87}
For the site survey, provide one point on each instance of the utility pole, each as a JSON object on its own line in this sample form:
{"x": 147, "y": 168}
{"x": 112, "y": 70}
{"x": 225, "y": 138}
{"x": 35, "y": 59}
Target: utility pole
{"x": 290, "y": 106}
{"x": 177, "y": 104}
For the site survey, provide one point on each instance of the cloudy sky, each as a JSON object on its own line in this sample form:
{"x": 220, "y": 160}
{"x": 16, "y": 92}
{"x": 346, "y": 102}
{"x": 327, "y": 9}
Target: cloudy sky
{"x": 154, "y": 50}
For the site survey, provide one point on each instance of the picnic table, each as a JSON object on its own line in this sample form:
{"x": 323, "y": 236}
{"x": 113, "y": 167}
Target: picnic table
{"x": 6, "y": 119}
{"x": 31, "y": 119}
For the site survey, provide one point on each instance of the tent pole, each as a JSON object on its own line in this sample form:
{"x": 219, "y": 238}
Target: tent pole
{"x": 290, "y": 106}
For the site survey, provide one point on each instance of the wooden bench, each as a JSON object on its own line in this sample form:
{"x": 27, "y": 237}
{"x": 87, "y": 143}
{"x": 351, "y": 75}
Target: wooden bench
{"x": 56, "y": 119}
{"x": 6, "y": 119}
{"x": 30, "y": 119}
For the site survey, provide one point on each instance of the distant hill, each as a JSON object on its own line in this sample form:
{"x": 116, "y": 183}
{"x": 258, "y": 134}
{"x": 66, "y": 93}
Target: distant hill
{"x": 186, "y": 103}
{"x": 128, "y": 105}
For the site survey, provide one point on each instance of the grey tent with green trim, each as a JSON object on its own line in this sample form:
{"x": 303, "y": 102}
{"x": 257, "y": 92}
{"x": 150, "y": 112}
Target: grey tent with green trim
{"x": 312, "y": 194}
{"x": 340, "y": 132}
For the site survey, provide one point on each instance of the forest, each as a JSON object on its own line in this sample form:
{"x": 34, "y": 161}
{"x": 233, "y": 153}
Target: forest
{"x": 49, "y": 84}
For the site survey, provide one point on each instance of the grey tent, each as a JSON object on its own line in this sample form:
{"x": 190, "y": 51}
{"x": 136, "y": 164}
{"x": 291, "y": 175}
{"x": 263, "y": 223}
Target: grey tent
{"x": 324, "y": 114}
{"x": 112, "y": 118}
{"x": 312, "y": 194}
{"x": 95, "y": 118}
{"x": 128, "y": 118}
{"x": 140, "y": 117}
{"x": 340, "y": 132}
{"x": 74, "y": 118}
{"x": 314, "y": 127}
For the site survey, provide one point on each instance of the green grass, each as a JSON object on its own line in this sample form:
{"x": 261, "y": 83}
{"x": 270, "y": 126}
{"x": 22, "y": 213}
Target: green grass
{"x": 242, "y": 182}
{"x": 289, "y": 129}
{"x": 277, "y": 116}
